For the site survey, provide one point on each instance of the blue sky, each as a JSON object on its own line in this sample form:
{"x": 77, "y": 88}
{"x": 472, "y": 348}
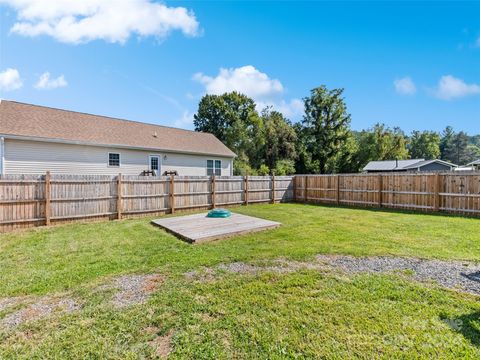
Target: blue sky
{"x": 410, "y": 64}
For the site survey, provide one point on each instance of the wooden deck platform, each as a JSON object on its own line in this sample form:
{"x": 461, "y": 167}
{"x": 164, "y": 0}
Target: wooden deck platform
{"x": 199, "y": 228}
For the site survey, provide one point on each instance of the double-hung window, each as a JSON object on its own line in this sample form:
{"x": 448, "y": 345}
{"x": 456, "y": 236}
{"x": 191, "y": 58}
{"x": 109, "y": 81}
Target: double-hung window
{"x": 114, "y": 159}
{"x": 214, "y": 167}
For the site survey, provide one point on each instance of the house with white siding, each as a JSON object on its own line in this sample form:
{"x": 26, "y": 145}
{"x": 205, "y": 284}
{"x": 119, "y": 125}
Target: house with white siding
{"x": 35, "y": 139}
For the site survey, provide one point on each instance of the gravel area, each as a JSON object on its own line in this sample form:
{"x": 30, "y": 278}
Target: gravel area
{"x": 39, "y": 310}
{"x": 135, "y": 289}
{"x": 6, "y": 303}
{"x": 463, "y": 276}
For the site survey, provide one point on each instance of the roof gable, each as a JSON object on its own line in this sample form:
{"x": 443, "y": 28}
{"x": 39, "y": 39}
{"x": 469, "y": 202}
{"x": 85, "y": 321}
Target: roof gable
{"x": 427, "y": 162}
{"x": 25, "y": 120}
{"x": 388, "y": 165}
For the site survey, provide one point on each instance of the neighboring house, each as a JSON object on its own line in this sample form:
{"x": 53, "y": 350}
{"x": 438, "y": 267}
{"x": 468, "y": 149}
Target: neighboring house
{"x": 475, "y": 164}
{"x": 35, "y": 139}
{"x": 408, "y": 165}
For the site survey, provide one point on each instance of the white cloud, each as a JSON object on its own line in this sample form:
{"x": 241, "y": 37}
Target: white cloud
{"x": 292, "y": 109}
{"x": 246, "y": 80}
{"x": 450, "y": 87}
{"x": 10, "y": 80}
{"x": 45, "y": 83}
{"x": 185, "y": 121}
{"x": 252, "y": 82}
{"x": 405, "y": 86}
{"x": 81, "y": 21}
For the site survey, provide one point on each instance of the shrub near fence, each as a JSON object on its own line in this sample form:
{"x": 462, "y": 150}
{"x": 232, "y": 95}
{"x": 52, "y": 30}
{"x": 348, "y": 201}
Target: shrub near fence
{"x": 35, "y": 200}
{"x": 445, "y": 192}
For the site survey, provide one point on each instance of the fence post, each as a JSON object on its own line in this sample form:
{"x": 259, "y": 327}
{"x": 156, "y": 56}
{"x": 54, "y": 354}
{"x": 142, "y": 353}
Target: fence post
{"x": 119, "y": 197}
{"x": 305, "y": 189}
{"x": 337, "y": 190}
{"x": 294, "y": 185}
{"x": 172, "y": 194}
{"x": 380, "y": 190}
{"x": 213, "y": 191}
{"x": 436, "y": 186}
{"x": 48, "y": 196}
{"x": 246, "y": 188}
{"x": 273, "y": 189}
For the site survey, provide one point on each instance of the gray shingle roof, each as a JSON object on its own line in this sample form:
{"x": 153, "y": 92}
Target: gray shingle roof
{"x": 389, "y": 165}
{"x": 476, "y": 162}
{"x": 412, "y": 164}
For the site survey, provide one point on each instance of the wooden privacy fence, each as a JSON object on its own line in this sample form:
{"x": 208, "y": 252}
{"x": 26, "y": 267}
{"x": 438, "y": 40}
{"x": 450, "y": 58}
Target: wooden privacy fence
{"x": 34, "y": 200}
{"x": 432, "y": 192}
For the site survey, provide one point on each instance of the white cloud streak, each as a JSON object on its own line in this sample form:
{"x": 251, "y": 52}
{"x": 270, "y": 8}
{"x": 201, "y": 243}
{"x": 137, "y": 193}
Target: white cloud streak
{"x": 10, "y": 80}
{"x": 450, "y": 87}
{"x": 405, "y": 86}
{"x": 114, "y": 21}
{"x": 46, "y": 83}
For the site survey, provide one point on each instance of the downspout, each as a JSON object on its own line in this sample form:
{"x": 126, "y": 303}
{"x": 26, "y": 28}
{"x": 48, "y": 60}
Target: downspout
{"x": 2, "y": 156}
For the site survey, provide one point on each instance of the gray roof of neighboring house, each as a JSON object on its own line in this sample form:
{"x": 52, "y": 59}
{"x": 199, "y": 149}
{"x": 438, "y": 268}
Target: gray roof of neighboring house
{"x": 45, "y": 123}
{"x": 389, "y": 165}
{"x": 426, "y": 162}
{"x": 476, "y": 162}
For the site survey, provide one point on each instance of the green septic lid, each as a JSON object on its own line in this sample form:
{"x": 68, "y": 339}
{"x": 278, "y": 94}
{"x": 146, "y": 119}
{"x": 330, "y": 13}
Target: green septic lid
{"x": 219, "y": 213}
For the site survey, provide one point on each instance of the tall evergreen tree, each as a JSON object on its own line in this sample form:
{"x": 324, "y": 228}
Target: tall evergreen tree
{"x": 446, "y": 144}
{"x": 325, "y": 126}
{"x": 279, "y": 139}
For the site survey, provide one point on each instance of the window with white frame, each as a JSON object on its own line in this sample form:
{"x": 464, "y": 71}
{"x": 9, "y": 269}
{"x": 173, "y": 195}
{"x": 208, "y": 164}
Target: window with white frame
{"x": 214, "y": 167}
{"x": 114, "y": 159}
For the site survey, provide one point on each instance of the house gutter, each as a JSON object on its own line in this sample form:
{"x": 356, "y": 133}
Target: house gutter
{"x": 74, "y": 142}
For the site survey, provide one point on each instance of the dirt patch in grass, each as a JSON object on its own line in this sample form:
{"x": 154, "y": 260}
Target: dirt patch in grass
{"x": 457, "y": 275}
{"x": 135, "y": 289}
{"x": 162, "y": 345}
{"x": 41, "y": 309}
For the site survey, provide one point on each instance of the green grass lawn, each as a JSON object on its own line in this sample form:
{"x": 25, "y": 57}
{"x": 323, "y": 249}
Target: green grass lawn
{"x": 305, "y": 314}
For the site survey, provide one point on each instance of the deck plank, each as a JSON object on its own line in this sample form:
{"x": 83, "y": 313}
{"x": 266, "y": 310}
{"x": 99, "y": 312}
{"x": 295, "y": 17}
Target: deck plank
{"x": 199, "y": 228}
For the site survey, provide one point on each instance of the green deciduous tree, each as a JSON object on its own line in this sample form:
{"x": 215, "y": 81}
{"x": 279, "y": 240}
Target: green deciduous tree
{"x": 424, "y": 144}
{"x": 381, "y": 143}
{"x": 232, "y": 118}
{"x": 325, "y": 128}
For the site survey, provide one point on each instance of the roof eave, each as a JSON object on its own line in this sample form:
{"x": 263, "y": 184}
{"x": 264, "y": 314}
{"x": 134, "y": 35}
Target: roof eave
{"x": 76, "y": 142}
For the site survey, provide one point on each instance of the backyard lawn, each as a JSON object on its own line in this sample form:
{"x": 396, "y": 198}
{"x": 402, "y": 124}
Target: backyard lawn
{"x": 127, "y": 289}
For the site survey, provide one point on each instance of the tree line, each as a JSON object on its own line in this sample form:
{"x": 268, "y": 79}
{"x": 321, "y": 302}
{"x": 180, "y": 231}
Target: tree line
{"x": 266, "y": 142}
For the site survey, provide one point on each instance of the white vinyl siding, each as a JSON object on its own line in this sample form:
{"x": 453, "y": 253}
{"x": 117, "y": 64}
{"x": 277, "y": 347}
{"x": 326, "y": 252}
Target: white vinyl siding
{"x": 36, "y": 157}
